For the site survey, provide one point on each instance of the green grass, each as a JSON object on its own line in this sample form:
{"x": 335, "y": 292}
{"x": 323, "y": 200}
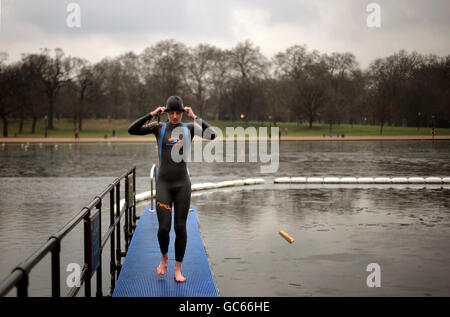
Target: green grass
{"x": 102, "y": 127}
{"x": 64, "y": 128}
{"x": 318, "y": 129}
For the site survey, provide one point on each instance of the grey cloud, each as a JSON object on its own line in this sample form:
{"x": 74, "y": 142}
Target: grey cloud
{"x": 336, "y": 25}
{"x": 213, "y": 17}
{"x": 126, "y": 17}
{"x": 302, "y": 12}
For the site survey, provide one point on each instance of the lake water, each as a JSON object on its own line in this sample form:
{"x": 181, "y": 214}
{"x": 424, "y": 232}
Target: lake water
{"x": 338, "y": 229}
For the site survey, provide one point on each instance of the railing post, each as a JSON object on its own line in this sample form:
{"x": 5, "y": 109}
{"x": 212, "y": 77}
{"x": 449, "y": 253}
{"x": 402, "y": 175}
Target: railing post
{"x": 99, "y": 292}
{"x": 56, "y": 269}
{"x": 112, "y": 263}
{"x": 118, "y": 246}
{"x": 134, "y": 199}
{"x": 87, "y": 246}
{"x": 127, "y": 211}
{"x": 22, "y": 286}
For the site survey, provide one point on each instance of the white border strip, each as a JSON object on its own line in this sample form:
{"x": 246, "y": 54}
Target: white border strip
{"x": 362, "y": 180}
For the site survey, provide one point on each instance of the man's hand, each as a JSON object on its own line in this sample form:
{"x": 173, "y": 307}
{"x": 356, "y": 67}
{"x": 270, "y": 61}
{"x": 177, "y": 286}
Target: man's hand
{"x": 158, "y": 110}
{"x": 190, "y": 113}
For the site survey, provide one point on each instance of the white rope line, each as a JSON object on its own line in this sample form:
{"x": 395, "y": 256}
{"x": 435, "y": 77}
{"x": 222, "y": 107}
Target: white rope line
{"x": 202, "y": 186}
{"x": 304, "y": 180}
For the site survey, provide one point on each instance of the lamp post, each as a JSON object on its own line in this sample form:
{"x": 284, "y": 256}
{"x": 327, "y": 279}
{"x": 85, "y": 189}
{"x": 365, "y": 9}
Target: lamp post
{"x": 242, "y": 117}
{"x": 418, "y": 121}
{"x": 270, "y": 126}
{"x": 433, "y": 122}
{"x": 46, "y": 126}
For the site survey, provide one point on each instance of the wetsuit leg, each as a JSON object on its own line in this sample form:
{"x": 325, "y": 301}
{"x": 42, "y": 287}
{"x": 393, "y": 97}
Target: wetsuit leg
{"x": 181, "y": 204}
{"x": 164, "y": 212}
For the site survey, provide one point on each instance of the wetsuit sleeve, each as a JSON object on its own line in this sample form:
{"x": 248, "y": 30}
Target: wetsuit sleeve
{"x": 207, "y": 132}
{"x": 139, "y": 127}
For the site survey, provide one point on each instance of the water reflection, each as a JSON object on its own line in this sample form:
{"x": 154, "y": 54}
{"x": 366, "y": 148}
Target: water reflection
{"x": 338, "y": 233}
{"x": 326, "y": 158}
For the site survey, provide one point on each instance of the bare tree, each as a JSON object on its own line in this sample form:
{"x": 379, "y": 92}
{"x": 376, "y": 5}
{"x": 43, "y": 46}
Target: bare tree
{"x": 6, "y": 81}
{"x": 382, "y": 111}
{"x": 165, "y": 66}
{"x": 25, "y": 91}
{"x": 340, "y": 73}
{"x": 111, "y": 89}
{"x": 198, "y": 74}
{"x": 292, "y": 63}
{"x": 53, "y": 73}
{"x": 133, "y": 81}
{"x": 355, "y": 95}
{"x": 220, "y": 76}
{"x": 276, "y": 98}
{"x": 249, "y": 66}
{"x": 313, "y": 94}
{"x": 305, "y": 76}
{"x": 84, "y": 79}
{"x": 389, "y": 77}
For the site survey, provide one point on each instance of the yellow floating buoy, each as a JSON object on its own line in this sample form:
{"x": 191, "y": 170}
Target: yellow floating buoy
{"x": 286, "y": 236}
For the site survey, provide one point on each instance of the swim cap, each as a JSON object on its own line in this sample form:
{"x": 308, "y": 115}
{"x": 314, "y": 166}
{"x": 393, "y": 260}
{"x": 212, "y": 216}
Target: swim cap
{"x": 174, "y": 103}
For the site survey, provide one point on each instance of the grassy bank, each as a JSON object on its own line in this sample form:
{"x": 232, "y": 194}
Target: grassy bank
{"x": 101, "y": 127}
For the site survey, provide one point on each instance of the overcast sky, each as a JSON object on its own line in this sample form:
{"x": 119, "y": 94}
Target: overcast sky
{"x": 110, "y": 28}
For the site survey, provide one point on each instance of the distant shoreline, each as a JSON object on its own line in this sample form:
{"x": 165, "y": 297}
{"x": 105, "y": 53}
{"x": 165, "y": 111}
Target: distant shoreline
{"x": 152, "y": 139}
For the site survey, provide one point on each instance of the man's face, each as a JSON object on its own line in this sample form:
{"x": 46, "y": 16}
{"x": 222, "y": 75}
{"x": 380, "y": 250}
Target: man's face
{"x": 175, "y": 116}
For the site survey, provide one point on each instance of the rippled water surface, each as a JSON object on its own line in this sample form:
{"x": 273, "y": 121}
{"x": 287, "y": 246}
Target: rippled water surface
{"x": 338, "y": 230}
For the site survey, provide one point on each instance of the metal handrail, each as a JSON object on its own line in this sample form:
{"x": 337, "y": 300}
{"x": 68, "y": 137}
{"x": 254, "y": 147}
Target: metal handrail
{"x": 19, "y": 277}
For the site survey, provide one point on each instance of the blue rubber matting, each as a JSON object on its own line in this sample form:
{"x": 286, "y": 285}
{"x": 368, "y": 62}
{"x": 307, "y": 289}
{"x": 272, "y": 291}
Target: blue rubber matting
{"x": 138, "y": 276}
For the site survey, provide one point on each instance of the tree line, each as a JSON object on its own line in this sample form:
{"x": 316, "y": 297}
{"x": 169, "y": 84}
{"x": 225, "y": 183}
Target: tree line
{"x": 296, "y": 85}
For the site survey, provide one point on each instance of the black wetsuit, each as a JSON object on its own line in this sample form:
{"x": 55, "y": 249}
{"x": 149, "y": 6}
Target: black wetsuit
{"x": 173, "y": 185}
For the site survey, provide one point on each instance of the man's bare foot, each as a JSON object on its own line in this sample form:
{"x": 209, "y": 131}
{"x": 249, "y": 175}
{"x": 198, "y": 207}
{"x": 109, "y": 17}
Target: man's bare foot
{"x": 162, "y": 268}
{"x": 178, "y": 276}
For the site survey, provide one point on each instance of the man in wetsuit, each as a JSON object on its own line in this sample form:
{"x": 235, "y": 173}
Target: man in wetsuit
{"x": 173, "y": 185}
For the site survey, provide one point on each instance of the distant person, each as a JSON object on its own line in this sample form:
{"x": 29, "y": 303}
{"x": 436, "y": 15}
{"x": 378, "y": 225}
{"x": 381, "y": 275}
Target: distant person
{"x": 113, "y": 133}
{"x": 173, "y": 185}
{"x": 77, "y": 134}
{"x": 432, "y": 132}
{"x": 286, "y": 131}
